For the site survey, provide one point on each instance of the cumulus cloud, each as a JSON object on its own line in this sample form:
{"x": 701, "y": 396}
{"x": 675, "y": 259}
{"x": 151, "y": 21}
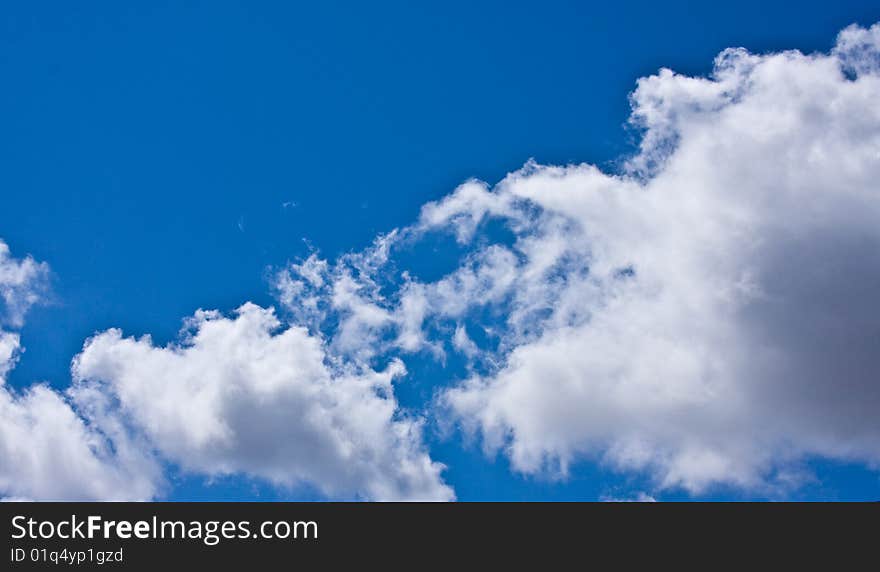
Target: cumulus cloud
{"x": 244, "y": 395}
{"x": 240, "y": 395}
{"x": 707, "y": 316}
{"x": 711, "y": 316}
{"x": 47, "y": 450}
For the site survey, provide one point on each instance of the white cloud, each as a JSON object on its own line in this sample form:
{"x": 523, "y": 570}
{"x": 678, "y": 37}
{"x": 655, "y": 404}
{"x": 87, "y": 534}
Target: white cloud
{"x": 9, "y": 344}
{"x": 463, "y": 343}
{"x": 708, "y": 316}
{"x": 638, "y": 497}
{"x": 345, "y": 294}
{"x": 22, "y": 284}
{"x": 47, "y": 451}
{"x": 717, "y": 321}
{"x": 857, "y": 49}
{"x": 244, "y": 395}
{"x": 238, "y": 395}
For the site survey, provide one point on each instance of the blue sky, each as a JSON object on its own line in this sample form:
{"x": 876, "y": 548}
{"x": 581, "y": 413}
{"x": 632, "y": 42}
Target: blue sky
{"x": 164, "y": 157}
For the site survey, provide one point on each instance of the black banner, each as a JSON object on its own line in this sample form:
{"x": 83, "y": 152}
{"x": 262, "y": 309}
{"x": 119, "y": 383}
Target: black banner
{"x": 146, "y": 536}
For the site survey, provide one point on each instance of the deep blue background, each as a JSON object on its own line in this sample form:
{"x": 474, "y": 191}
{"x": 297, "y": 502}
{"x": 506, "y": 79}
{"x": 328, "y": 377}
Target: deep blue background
{"x": 147, "y": 150}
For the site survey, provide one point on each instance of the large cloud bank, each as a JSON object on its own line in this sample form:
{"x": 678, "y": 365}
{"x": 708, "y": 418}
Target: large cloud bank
{"x": 719, "y": 321}
{"x": 711, "y": 315}
{"x": 707, "y": 316}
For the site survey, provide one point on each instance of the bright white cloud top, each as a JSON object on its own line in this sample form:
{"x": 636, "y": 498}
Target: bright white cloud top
{"x": 708, "y": 316}
{"x": 240, "y": 396}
